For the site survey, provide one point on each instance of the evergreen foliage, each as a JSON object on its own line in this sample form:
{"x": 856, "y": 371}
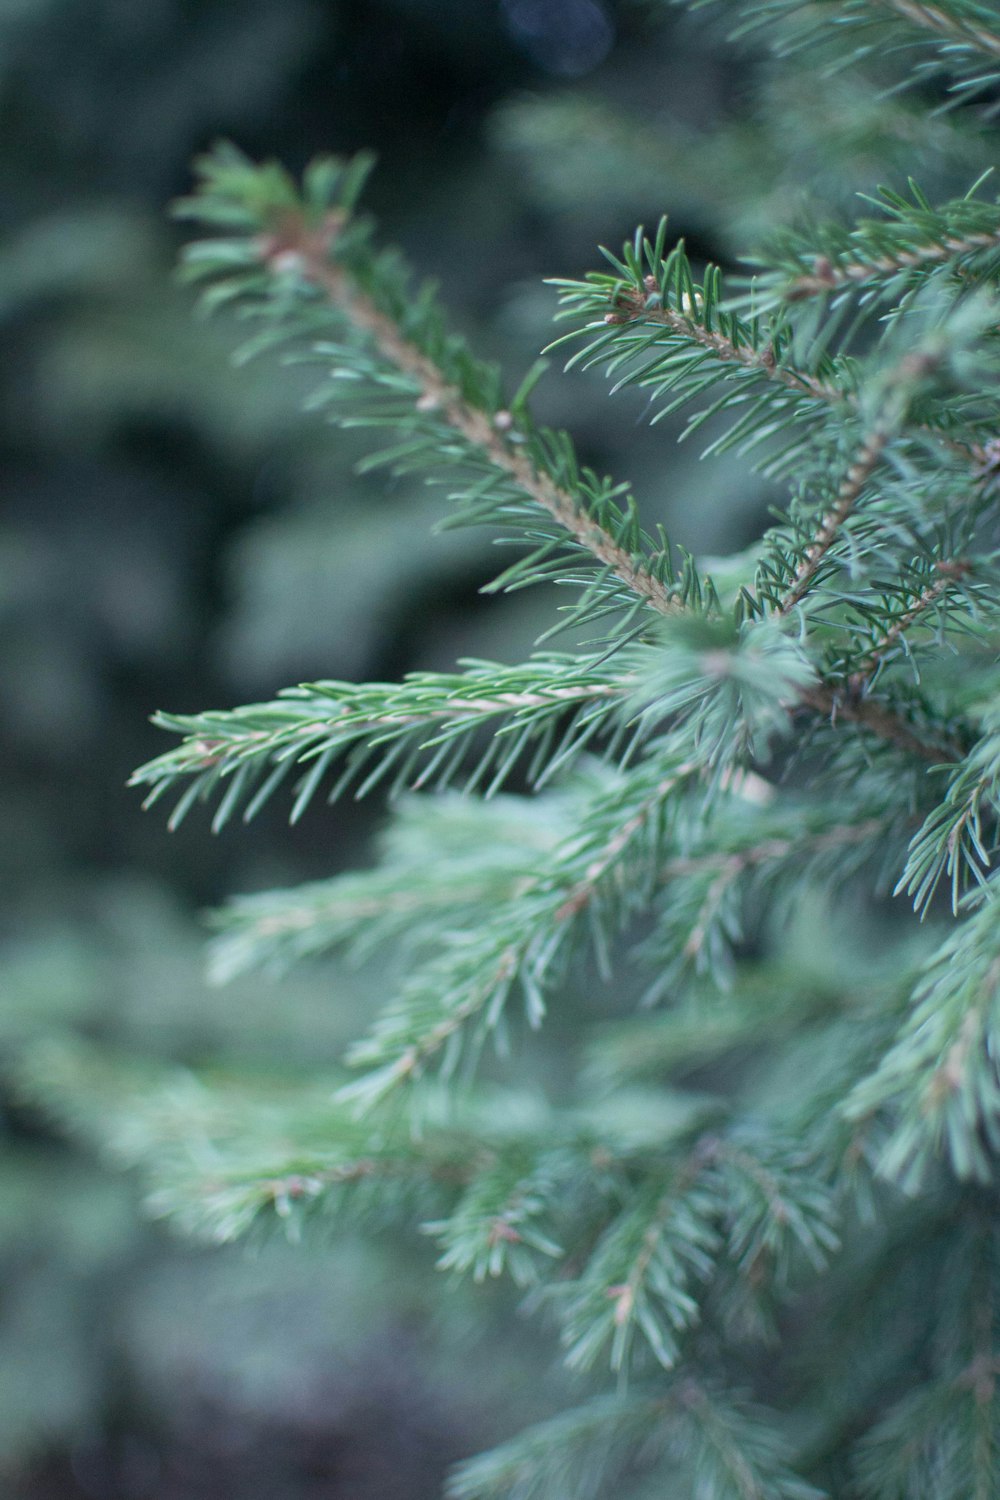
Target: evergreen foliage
{"x": 761, "y": 1217}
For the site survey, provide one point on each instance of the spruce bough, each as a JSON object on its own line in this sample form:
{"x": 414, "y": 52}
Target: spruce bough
{"x": 762, "y": 1216}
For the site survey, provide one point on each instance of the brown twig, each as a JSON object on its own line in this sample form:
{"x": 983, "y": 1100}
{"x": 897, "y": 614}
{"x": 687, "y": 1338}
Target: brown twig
{"x": 836, "y": 704}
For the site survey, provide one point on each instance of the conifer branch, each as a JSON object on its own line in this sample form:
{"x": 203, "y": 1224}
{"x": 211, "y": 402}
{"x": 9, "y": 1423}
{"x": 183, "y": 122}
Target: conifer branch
{"x": 700, "y": 917}
{"x": 774, "y": 849}
{"x": 443, "y": 859}
{"x": 656, "y": 327}
{"x": 270, "y": 932}
{"x": 669, "y": 1209}
{"x": 739, "y": 1194}
{"x": 880, "y": 258}
{"x": 685, "y": 1430}
{"x": 473, "y": 974}
{"x": 962, "y": 32}
{"x": 490, "y": 436}
{"x": 433, "y": 879}
{"x": 633, "y": 305}
{"x": 311, "y": 267}
{"x": 583, "y": 892}
{"x": 826, "y": 276}
{"x": 937, "y": 1089}
{"x": 231, "y": 1201}
{"x": 831, "y": 702}
{"x": 850, "y": 488}
{"x": 947, "y": 573}
{"x": 950, "y": 24}
{"x": 417, "y": 731}
{"x": 707, "y": 912}
{"x": 708, "y": 344}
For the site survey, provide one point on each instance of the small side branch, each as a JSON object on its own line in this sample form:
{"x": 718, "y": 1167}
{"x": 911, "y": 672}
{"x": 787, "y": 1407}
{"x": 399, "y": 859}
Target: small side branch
{"x": 489, "y": 435}
{"x": 947, "y": 573}
{"x": 827, "y": 277}
{"x": 584, "y": 891}
{"x": 827, "y": 700}
{"x": 953, "y": 28}
{"x": 633, "y": 304}
{"x": 480, "y": 987}
{"x": 769, "y": 850}
{"x": 850, "y": 488}
{"x": 730, "y": 867}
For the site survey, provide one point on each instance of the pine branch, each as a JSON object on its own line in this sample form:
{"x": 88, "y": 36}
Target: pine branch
{"x": 445, "y": 858}
{"x": 918, "y": 1444}
{"x": 881, "y": 259}
{"x": 686, "y": 1434}
{"x": 273, "y": 931}
{"x": 310, "y": 267}
{"x": 743, "y": 1195}
{"x": 850, "y": 488}
{"x": 735, "y": 347}
{"x": 699, "y": 920}
{"x": 413, "y": 733}
{"x": 492, "y": 436}
{"x": 945, "y": 574}
{"x": 952, "y": 841}
{"x": 966, "y": 25}
{"x": 708, "y": 911}
{"x": 573, "y": 1456}
{"x": 643, "y": 1273}
{"x": 679, "y": 338}
{"x": 960, "y": 36}
{"x": 739, "y": 690}
{"x": 499, "y": 1225}
{"x": 670, "y": 1220}
{"x": 937, "y": 1087}
{"x": 776, "y": 850}
{"x": 470, "y": 979}
{"x": 776, "y": 1208}
{"x": 826, "y": 276}
{"x": 230, "y": 1159}
{"x": 880, "y": 719}
{"x": 900, "y": 396}
{"x": 442, "y": 859}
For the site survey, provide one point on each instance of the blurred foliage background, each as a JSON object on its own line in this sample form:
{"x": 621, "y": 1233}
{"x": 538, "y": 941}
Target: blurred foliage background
{"x": 176, "y": 533}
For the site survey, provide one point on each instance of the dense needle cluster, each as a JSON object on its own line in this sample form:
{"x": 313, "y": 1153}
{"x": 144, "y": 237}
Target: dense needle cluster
{"x": 760, "y": 1210}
